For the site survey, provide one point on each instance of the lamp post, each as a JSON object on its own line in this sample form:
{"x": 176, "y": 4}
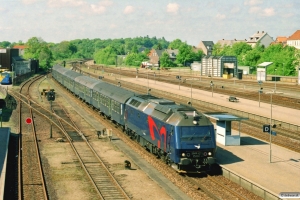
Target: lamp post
{"x": 259, "y": 91}
{"x": 212, "y": 88}
{"x": 191, "y": 92}
{"x": 271, "y": 126}
{"x": 137, "y": 73}
{"x": 147, "y": 80}
{"x": 154, "y": 77}
{"x": 275, "y": 79}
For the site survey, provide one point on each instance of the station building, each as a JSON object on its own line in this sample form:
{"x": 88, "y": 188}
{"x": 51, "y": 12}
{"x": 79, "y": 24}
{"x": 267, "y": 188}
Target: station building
{"x": 220, "y": 66}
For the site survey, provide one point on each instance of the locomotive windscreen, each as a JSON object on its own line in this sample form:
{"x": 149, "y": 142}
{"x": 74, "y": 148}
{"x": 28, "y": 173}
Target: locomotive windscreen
{"x": 199, "y": 133}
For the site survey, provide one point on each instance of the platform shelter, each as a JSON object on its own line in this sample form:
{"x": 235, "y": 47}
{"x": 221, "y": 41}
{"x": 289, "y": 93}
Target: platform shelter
{"x": 223, "y": 130}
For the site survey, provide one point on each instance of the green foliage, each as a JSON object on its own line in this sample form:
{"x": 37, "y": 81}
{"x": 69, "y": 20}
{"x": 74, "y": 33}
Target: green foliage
{"x": 36, "y": 48}
{"x": 106, "y": 56}
{"x": 5, "y": 44}
{"x": 186, "y": 54}
{"x": 283, "y": 57}
{"x": 165, "y": 61}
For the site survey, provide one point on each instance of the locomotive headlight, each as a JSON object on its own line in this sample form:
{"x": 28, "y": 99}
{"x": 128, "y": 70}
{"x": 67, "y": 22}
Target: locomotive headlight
{"x": 209, "y": 153}
{"x": 183, "y": 154}
{"x": 195, "y": 122}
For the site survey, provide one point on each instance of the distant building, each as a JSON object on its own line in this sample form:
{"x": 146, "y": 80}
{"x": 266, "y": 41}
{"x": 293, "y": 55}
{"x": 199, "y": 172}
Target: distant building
{"x": 206, "y": 47}
{"x": 229, "y": 42}
{"x": 6, "y": 56}
{"x": 260, "y": 37}
{"x": 280, "y": 40}
{"x": 155, "y": 55}
{"x": 219, "y": 66}
{"x": 294, "y": 40}
{"x": 21, "y": 49}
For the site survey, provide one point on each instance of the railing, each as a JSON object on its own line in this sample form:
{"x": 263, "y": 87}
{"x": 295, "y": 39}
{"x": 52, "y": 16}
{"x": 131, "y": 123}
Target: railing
{"x": 248, "y": 185}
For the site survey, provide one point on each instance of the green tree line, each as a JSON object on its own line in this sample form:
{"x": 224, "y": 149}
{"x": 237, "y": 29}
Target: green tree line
{"x": 125, "y": 51}
{"x": 285, "y": 58}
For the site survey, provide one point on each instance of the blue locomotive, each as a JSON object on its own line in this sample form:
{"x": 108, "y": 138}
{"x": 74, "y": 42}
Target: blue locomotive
{"x": 178, "y": 134}
{"x": 6, "y": 80}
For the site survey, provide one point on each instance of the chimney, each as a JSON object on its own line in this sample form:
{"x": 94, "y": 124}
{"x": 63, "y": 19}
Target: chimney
{"x": 257, "y": 31}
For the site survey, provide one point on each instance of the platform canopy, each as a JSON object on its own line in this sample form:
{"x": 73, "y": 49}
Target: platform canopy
{"x": 264, "y": 64}
{"x": 223, "y": 116}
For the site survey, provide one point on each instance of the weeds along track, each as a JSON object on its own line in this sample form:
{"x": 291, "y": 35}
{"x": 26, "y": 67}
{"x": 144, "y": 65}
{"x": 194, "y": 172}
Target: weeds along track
{"x": 101, "y": 178}
{"x": 31, "y": 181}
{"x": 207, "y": 187}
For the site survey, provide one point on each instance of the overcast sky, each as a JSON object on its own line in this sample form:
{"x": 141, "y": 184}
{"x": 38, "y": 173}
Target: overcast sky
{"x": 188, "y": 20}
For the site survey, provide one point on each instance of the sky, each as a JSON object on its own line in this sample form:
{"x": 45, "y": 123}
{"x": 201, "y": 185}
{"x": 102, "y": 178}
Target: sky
{"x": 191, "y": 21}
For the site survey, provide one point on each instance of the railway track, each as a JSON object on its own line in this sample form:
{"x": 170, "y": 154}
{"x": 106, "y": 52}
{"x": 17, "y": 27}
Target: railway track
{"x": 101, "y": 178}
{"x": 285, "y": 137}
{"x": 30, "y": 171}
{"x": 239, "y": 88}
{"x": 195, "y": 188}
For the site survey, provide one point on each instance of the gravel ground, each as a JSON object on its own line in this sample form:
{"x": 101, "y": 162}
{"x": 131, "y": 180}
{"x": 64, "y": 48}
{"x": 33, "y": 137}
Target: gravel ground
{"x": 65, "y": 178}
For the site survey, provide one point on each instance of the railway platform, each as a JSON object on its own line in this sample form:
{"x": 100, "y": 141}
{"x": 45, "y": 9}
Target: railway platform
{"x": 251, "y": 159}
{"x": 4, "y": 141}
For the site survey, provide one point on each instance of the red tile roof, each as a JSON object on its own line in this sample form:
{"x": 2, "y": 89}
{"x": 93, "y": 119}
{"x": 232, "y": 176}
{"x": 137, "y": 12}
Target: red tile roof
{"x": 19, "y": 47}
{"x": 281, "y": 39}
{"x": 295, "y": 36}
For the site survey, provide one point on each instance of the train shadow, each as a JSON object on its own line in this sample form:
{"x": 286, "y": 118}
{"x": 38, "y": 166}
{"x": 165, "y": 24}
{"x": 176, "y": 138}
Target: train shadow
{"x": 226, "y": 157}
{"x": 246, "y": 140}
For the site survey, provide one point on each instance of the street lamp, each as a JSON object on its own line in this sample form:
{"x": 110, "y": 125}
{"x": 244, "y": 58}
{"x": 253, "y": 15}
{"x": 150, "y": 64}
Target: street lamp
{"x": 259, "y": 91}
{"x": 179, "y": 78}
{"x": 154, "y": 77}
{"x": 191, "y": 92}
{"x": 275, "y": 80}
{"x": 271, "y": 126}
{"x": 137, "y": 73}
{"x": 212, "y": 88}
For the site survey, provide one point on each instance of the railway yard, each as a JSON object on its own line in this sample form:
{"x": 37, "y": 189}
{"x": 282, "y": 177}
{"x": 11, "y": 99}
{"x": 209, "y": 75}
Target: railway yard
{"x": 61, "y": 154}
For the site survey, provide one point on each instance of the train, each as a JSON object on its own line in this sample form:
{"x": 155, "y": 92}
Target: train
{"x": 176, "y": 133}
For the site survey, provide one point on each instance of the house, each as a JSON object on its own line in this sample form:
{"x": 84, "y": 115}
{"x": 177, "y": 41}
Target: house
{"x": 172, "y": 53}
{"x": 280, "y": 40}
{"x": 294, "y": 40}
{"x": 229, "y": 42}
{"x": 262, "y": 38}
{"x": 206, "y": 47}
{"x": 21, "y": 49}
{"x": 155, "y": 55}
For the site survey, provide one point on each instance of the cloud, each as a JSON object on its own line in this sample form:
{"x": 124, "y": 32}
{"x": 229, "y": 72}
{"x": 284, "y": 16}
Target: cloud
{"x": 64, "y": 3}
{"x": 255, "y": 9}
{"x": 97, "y": 8}
{"x": 220, "y": 16}
{"x": 172, "y": 8}
{"x": 235, "y": 10}
{"x": 28, "y": 1}
{"x": 128, "y": 10}
{"x": 253, "y": 2}
{"x": 268, "y": 12}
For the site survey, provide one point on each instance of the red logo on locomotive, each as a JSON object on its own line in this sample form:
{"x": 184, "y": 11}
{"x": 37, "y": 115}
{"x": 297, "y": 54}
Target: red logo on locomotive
{"x": 162, "y": 132}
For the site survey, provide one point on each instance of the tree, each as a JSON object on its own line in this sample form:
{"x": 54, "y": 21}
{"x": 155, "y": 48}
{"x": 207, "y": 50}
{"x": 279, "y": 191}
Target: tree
{"x": 185, "y": 54}
{"x": 175, "y": 44}
{"x": 165, "y": 61}
{"x": 37, "y": 48}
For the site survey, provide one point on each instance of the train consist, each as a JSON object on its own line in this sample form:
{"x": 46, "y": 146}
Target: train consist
{"x": 178, "y": 134}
